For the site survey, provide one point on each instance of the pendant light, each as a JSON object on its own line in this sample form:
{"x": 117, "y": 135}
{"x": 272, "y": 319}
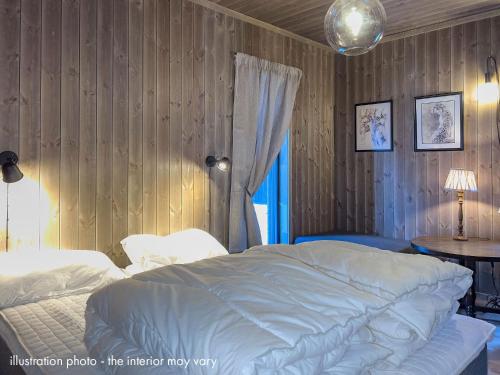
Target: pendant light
{"x": 354, "y": 27}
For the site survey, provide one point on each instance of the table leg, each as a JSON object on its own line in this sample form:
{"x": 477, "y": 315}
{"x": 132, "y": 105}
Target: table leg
{"x": 470, "y": 297}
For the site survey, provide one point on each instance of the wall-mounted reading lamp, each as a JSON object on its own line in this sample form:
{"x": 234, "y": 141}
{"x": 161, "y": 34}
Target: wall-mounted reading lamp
{"x": 488, "y": 92}
{"x": 223, "y": 164}
{"x": 10, "y": 174}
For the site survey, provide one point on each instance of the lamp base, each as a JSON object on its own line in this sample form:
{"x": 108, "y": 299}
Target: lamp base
{"x": 460, "y": 238}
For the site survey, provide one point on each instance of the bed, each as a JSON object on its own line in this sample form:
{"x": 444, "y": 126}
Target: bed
{"x": 43, "y": 297}
{"x": 324, "y": 307}
{"x": 54, "y": 327}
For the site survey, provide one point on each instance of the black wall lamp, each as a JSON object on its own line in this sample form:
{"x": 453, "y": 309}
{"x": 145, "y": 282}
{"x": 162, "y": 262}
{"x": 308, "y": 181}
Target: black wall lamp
{"x": 10, "y": 174}
{"x": 10, "y": 171}
{"x": 223, "y": 164}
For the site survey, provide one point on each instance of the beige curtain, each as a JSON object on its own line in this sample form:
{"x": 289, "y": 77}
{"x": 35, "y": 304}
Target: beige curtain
{"x": 263, "y": 105}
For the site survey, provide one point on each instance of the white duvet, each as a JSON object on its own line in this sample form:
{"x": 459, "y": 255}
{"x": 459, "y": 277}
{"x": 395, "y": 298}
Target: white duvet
{"x": 322, "y": 307}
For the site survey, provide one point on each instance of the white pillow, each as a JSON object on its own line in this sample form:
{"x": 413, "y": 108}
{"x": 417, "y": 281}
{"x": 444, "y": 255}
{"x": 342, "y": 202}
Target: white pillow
{"x": 150, "y": 251}
{"x": 29, "y": 276}
{"x": 137, "y": 246}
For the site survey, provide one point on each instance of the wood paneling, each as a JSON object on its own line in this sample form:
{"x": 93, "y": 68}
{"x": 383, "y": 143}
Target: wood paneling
{"x": 306, "y": 17}
{"x": 408, "y": 187}
{"x": 118, "y": 104}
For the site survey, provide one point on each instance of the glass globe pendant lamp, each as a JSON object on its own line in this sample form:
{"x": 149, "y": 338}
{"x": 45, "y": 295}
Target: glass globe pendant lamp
{"x": 354, "y": 27}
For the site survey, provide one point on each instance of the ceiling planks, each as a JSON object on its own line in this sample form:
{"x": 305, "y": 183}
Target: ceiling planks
{"x": 305, "y": 18}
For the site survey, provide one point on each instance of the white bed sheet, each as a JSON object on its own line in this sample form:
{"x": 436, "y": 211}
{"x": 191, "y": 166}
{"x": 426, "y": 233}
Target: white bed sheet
{"x": 54, "y": 328}
{"x": 51, "y": 328}
{"x": 450, "y": 351}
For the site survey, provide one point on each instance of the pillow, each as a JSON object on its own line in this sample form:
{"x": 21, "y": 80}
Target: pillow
{"x": 137, "y": 246}
{"x": 29, "y": 276}
{"x": 150, "y": 251}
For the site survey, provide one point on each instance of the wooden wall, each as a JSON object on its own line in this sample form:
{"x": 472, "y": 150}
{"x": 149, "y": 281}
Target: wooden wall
{"x": 400, "y": 194}
{"x": 114, "y": 105}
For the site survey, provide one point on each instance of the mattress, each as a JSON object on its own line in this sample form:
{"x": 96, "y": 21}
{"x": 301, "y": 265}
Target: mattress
{"x": 450, "y": 351}
{"x": 54, "y": 329}
{"x": 50, "y": 330}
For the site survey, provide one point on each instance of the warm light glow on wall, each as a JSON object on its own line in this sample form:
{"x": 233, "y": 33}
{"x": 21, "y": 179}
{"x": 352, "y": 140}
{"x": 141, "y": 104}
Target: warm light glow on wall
{"x": 487, "y": 93}
{"x": 29, "y": 213}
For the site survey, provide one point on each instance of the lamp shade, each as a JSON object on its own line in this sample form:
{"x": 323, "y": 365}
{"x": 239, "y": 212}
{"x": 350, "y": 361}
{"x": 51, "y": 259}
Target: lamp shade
{"x": 487, "y": 93}
{"x": 10, "y": 171}
{"x": 460, "y": 179}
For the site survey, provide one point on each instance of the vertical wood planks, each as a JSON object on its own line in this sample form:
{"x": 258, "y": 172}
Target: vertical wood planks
{"x": 104, "y": 131}
{"x": 209, "y": 79}
{"x": 484, "y": 125}
{"x": 88, "y": 122}
{"x": 163, "y": 117}
{"x": 448, "y": 60}
{"x": 135, "y": 115}
{"x": 379, "y": 157}
{"x": 229, "y": 74}
{"x": 29, "y": 114}
{"x": 369, "y": 157}
{"x": 295, "y": 144}
{"x": 50, "y": 148}
{"x": 311, "y": 58}
{"x": 330, "y": 134}
{"x": 120, "y": 128}
{"x": 432, "y": 88}
{"x": 495, "y": 181}
{"x": 350, "y": 166}
{"x": 471, "y": 126}
{"x": 187, "y": 135}
{"x": 175, "y": 136}
{"x": 410, "y": 165}
{"x": 149, "y": 96}
{"x": 457, "y": 84}
{"x": 200, "y": 219}
{"x": 446, "y": 198}
{"x": 10, "y": 22}
{"x": 387, "y": 87}
{"x": 114, "y": 105}
{"x": 359, "y": 166}
{"x": 421, "y": 162}
{"x": 399, "y": 140}
{"x": 70, "y": 124}
{"x": 219, "y": 118}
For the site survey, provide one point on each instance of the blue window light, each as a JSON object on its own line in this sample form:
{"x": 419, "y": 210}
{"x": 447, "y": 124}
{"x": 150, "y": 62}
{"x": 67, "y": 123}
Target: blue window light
{"x": 271, "y": 200}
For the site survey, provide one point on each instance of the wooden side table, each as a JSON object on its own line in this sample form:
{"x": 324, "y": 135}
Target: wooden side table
{"x": 467, "y": 252}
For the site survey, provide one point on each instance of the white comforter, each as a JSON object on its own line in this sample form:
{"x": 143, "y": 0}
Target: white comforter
{"x": 322, "y": 307}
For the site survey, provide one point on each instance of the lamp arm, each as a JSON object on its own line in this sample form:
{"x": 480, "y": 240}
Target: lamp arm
{"x": 491, "y": 62}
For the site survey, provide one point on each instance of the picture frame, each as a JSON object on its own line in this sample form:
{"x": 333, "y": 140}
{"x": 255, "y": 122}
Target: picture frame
{"x": 439, "y": 122}
{"x": 374, "y": 127}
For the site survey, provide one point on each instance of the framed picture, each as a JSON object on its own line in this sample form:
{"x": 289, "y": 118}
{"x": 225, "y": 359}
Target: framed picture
{"x": 374, "y": 126}
{"x": 439, "y": 122}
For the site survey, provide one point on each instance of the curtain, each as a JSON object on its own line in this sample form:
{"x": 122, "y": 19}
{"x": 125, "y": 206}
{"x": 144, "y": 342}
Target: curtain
{"x": 263, "y": 104}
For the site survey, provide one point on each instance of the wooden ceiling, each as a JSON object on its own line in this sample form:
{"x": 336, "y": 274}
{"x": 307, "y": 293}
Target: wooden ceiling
{"x": 305, "y": 17}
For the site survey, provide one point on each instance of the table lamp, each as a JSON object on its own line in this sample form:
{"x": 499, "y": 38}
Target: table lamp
{"x": 461, "y": 181}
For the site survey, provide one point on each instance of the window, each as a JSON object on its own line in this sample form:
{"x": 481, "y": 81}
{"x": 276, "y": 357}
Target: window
{"x": 271, "y": 201}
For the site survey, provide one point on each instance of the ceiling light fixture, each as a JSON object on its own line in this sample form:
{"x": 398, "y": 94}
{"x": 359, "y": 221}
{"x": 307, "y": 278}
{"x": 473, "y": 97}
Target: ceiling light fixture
{"x": 354, "y": 27}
